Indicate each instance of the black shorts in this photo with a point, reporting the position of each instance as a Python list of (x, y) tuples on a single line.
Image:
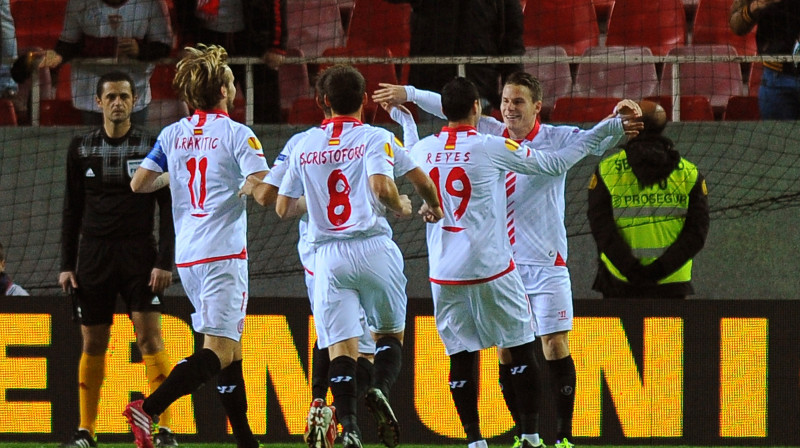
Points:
[(107, 268)]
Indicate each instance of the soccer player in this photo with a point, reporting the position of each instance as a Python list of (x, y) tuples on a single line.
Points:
[(535, 222), (108, 249), (321, 423), (205, 158), (479, 298), (346, 175)]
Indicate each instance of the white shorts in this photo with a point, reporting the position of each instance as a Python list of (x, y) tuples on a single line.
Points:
[(218, 292), (366, 344), (475, 317), (365, 273), (550, 293)]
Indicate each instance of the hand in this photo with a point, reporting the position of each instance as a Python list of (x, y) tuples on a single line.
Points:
[(48, 58), (159, 280), (273, 59), (758, 5), (632, 126), (389, 106), (627, 109), (67, 280), (249, 185), (390, 93), (128, 47), (430, 214), (405, 204)]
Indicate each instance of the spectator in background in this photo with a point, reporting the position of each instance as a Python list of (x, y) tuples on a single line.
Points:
[(8, 50), (648, 211), (465, 28), (244, 28), (8, 287), (128, 30), (778, 33)]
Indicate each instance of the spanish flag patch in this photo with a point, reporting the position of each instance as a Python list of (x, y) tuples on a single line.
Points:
[(198, 131), (387, 148), (512, 145), (333, 142)]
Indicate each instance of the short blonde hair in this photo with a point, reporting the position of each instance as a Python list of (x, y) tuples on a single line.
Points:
[(200, 74)]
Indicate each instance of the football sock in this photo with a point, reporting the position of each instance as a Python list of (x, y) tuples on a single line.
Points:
[(526, 382), (364, 372), (507, 388), (91, 371), (388, 360), (319, 372), (343, 386), (464, 389), (186, 377), (230, 385), (157, 368), (562, 384)]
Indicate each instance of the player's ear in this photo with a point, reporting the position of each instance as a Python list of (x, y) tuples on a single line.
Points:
[(364, 99), (327, 101), (476, 107), (537, 107), (99, 101)]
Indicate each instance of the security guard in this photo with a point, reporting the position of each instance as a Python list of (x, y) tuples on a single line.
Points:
[(648, 211)]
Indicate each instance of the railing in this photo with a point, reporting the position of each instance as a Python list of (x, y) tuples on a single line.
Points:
[(461, 61)]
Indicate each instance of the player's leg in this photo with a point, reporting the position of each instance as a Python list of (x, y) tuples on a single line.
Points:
[(233, 395), (562, 383), (464, 390)]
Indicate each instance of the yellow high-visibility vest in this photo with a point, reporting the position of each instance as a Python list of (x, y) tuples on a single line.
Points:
[(649, 219)]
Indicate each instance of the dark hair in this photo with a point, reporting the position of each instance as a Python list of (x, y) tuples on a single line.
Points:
[(458, 97), (114, 77), (524, 79), (345, 87), (319, 87)]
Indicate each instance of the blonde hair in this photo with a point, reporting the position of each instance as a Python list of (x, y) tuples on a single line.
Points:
[(200, 75)]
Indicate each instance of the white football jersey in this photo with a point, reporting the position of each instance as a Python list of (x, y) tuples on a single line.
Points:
[(471, 244), (208, 156), (535, 209), (332, 170)]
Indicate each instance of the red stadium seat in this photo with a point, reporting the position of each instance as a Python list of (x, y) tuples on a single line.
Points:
[(161, 82), (658, 24), (305, 111), (718, 81), (582, 109), (711, 27), (38, 23), (314, 25), (373, 73), (602, 9), (571, 24), (742, 108), (8, 116), (554, 77), (294, 81), (693, 108), (380, 24), (59, 113), (633, 80)]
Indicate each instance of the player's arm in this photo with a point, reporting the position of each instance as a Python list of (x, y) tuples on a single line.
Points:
[(744, 14), (384, 188), (402, 116), (288, 207), (161, 274), (147, 181), (430, 102), (71, 218), (424, 186)]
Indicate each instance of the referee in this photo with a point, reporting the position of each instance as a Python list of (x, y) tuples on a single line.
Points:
[(108, 249)]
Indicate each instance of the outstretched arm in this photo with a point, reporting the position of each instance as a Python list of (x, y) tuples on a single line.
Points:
[(147, 181)]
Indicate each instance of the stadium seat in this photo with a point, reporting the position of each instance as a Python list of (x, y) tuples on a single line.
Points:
[(742, 108), (657, 24), (633, 80), (582, 109), (718, 81), (380, 24), (373, 73), (554, 77), (38, 23), (161, 82), (571, 24), (314, 25), (602, 9), (294, 81), (711, 27), (693, 108), (8, 116), (59, 112), (305, 111)]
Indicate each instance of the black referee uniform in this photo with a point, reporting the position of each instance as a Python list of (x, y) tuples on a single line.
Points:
[(107, 230)]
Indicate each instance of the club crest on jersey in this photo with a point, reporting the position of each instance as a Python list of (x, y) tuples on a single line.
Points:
[(388, 149), (198, 131), (132, 165), (254, 143), (511, 145)]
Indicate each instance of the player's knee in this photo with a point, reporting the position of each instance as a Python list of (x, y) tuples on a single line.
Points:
[(556, 345), (523, 355)]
